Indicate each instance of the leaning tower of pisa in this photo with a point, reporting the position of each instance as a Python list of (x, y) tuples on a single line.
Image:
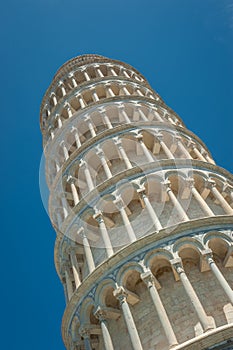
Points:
[(143, 215)]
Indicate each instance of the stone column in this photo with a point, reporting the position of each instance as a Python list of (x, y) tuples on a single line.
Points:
[(94, 94), (121, 295), (113, 72), (142, 115), (74, 264), (62, 87), (144, 148), (87, 174), (226, 207), (125, 73), (158, 116), (90, 126), (87, 250), (105, 118), (176, 203), (164, 146), (103, 161), (71, 76), (98, 216), (221, 279), (85, 334), (47, 110), (150, 281), (57, 165), (120, 205), (69, 111), (58, 217), (65, 151), (59, 122), (138, 91), (71, 180), (76, 136), (125, 90), (124, 114), (198, 197), (51, 131), (54, 98), (64, 206), (68, 285), (109, 90), (98, 70), (86, 75), (81, 101), (196, 151), (177, 139), (101, 316), (123, 154), (210, 160), (206, 321), (152, 213)]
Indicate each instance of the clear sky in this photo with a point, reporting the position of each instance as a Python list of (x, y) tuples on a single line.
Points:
[(183, 47)]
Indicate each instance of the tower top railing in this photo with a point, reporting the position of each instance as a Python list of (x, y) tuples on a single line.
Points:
[(79, 61)]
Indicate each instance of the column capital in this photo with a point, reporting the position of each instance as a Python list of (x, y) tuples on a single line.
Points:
[(87, 118), (159, 136), (190, 181), (120, 293), (99, 151), (98, 216), (166, 185), (103, 313), (177, 138), (208, 255), (84, 331), (177, 265), (142, 192), (73, 128), (71, 251), (82, 163), (101, 110), (191, 144), (70, 179), (119, 202), (100, 314), (139, 137), (150, 280), (67, 105), (50, 128), (117, 141), (121, 106), (62, 143), (210, 183), (81, 232)]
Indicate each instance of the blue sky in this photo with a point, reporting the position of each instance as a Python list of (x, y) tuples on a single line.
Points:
[(183, 47)]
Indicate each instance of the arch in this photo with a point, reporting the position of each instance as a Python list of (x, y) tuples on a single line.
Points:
[(85, 311), (125, 271), (157, 254), (187, 242), (104, 295), (75, 324), (219, 244)]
